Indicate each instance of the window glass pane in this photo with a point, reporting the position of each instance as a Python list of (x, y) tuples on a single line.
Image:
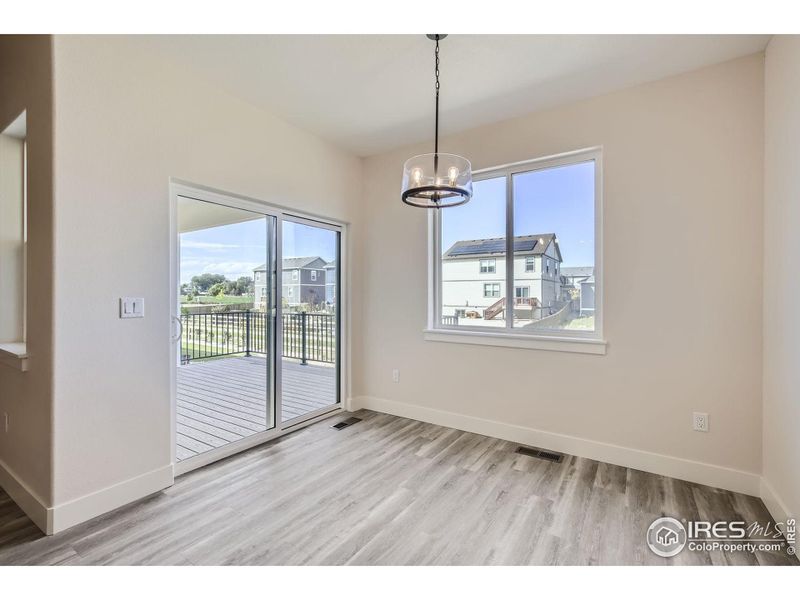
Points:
[(554, 225), (473, 266), (12, 237)]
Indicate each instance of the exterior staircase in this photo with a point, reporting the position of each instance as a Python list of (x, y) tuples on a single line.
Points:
[(495, 309)]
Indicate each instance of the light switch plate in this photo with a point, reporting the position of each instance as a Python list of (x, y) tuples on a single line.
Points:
[(131, 308)]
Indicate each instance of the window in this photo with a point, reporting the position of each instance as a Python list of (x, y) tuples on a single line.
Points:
[(290, 292), (545, 209), (491, 290), (313, 275), (530, 264), (13, 235), (295, 275)]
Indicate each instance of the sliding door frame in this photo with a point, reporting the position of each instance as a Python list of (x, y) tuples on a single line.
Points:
[(178, 188), (293, 218)]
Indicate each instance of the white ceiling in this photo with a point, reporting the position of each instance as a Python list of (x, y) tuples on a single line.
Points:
[(372, 93)]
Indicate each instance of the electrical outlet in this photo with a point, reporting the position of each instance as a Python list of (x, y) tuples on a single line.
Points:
[(396, 375), (700, 421)]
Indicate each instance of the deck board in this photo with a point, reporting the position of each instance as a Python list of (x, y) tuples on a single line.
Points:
[(222, 401)]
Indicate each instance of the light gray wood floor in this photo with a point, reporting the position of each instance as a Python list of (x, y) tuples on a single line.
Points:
[(390, 490), (224, 400)]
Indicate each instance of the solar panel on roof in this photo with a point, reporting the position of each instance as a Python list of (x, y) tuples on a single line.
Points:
[(482, 247), (522, 245), (492, 246)]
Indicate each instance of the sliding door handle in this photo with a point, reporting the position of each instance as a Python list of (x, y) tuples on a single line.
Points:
[(177, 337)]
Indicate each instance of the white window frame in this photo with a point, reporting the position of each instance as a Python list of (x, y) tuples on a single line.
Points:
[(589, 342), (530, 260), (295, 274), (491, 265), (522, 287), (313, 275), (492, 284)]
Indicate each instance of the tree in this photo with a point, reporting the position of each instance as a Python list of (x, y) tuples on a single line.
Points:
[(245, 286), (203, 283), (218, 289)]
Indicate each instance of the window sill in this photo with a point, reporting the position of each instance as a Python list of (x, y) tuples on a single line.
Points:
[(511, 340), (14, 355)]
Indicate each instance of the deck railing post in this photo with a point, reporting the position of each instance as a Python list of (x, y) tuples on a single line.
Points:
[(247, 333), (303, 317)]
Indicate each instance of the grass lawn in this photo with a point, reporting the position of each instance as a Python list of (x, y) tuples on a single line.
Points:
[(218, 300), (581, 323)]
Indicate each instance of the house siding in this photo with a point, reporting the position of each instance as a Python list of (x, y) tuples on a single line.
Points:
[(462, 281)]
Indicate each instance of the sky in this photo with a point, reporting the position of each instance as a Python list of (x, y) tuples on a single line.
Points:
[(557, 200), (235, 250)]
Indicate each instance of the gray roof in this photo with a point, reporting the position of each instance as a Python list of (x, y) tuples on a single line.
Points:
[(523, 244), (294, 263), (577, 271)]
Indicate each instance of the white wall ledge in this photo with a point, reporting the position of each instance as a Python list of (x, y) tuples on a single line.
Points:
[(522, 341), (14, 355)]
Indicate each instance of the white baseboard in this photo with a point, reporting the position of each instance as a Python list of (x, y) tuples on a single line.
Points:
[(660, 464), (776, 507), (92, 505), (20, 493)]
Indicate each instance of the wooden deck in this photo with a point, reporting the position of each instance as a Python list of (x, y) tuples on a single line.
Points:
[(222, 401)]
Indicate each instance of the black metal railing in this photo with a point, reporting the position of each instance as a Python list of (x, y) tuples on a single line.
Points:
[(306, 336)]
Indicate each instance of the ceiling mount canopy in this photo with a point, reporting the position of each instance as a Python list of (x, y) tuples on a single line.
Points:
[(436, 180)]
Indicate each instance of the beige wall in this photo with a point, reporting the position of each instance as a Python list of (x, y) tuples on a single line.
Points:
[(683, 210), (781, 281), (26, 450), (127, 122)]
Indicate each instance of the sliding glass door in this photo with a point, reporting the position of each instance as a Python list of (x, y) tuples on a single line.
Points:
[(258, 337), (310, 322), (225, 392)]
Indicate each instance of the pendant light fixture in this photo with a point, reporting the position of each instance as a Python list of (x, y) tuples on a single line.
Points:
[(437, 180)]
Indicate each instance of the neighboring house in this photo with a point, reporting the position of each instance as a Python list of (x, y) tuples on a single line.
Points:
[(302, 281), (474, 271), (260, 287), (574, 276), (587, 297), (581, 281), (330, 282)]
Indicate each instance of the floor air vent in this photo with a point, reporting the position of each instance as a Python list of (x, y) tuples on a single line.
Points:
[(346, 423), (543, 454)]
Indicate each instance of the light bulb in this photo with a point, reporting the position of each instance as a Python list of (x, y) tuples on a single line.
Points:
[(452, 173), (416, 175)]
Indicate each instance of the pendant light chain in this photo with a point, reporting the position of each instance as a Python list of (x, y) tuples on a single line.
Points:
[(435, 196), (436, 72)]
